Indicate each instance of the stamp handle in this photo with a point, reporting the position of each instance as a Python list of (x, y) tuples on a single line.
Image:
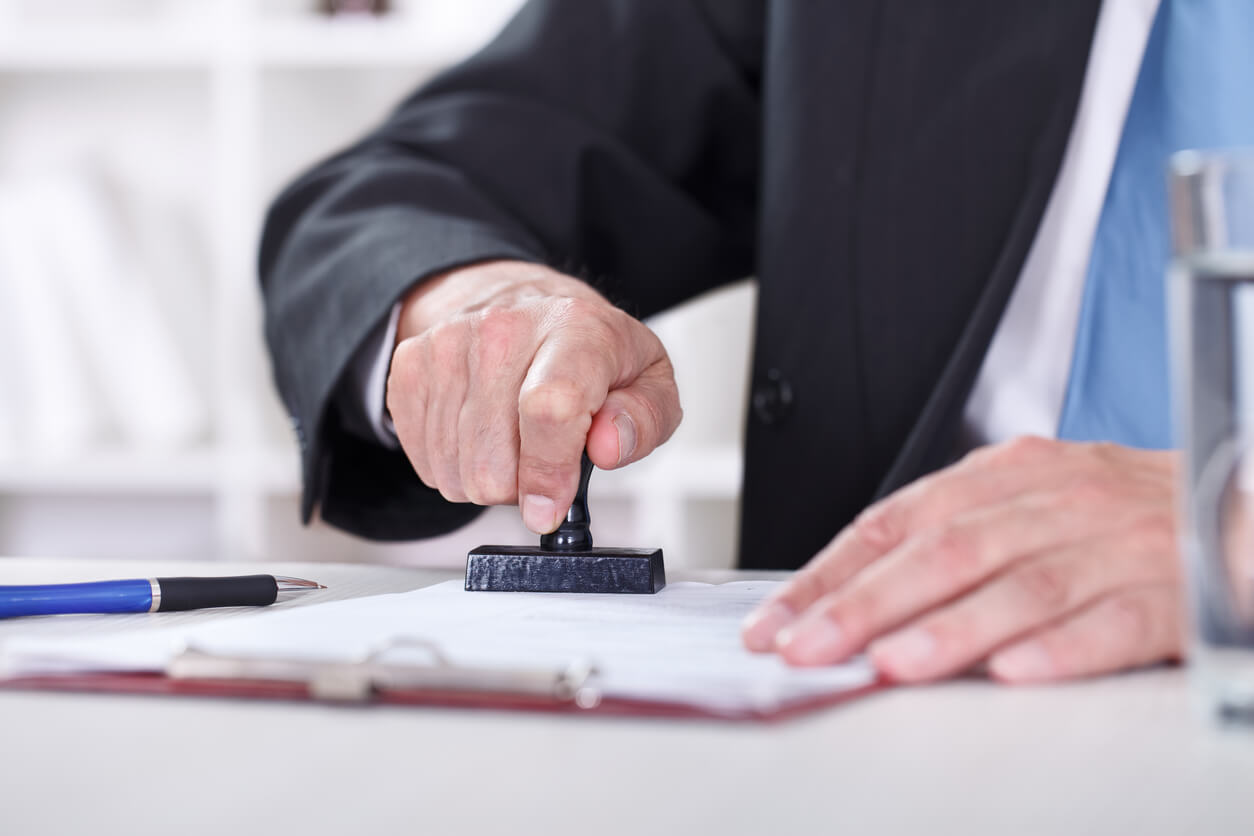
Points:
[(575, 533)]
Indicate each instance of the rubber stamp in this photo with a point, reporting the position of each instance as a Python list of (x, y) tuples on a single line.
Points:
[(566, 560)]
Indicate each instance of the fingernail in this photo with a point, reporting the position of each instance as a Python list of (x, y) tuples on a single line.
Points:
[(815, 641), (1024, 662), (626, 436), (763, 625), (539, 513), (905, 653)]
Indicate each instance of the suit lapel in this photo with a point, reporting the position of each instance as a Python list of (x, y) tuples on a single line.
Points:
[(909, 150), (1016, 90)]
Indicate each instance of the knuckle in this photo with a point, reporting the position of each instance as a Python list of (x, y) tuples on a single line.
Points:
[(665, 420), (545, 478), (446, 347), (582, 311), (854, 615), (1106, 452), (497, 494), (978, 457), (655, 421), (472, 493), (453, 494), (1089, 489), (570, 311), (448, 484), (553, 403), (879, 526), (807, 585), (440, 333), (1024, 449), (1044, 588), (490, 485), (598, 326), (670, 390), (951, 551), (439, 479), (499, 331)]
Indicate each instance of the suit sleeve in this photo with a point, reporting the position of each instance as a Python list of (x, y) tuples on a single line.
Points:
[(616, 140)]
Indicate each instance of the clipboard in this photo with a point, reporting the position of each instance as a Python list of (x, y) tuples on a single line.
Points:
[(433, 682)]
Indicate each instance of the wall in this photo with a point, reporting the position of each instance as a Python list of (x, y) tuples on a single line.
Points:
[(139, 143)]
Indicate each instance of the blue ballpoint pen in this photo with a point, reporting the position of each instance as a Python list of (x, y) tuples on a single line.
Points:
[(150, 595)]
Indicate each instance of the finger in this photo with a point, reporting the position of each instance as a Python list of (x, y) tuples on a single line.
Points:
[(1034, 593), (1125, 630), (946, 561), (595, 349), (635, 420), (558, 397), (926, 571), (406, 403), (488, 422), (489, 449), (988, 476), (449, 379)]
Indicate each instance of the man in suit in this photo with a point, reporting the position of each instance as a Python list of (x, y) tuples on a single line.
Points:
[(921, 189)]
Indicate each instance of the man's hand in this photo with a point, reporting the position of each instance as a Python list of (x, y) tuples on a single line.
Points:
[(1047, 559), (503, 372)]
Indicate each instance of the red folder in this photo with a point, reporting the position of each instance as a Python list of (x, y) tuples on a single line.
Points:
[(154, 684)]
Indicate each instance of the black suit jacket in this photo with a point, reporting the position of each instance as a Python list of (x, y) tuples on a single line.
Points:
[(880, 165)]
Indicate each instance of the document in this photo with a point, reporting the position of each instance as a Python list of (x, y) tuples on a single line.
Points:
[(680, 646)]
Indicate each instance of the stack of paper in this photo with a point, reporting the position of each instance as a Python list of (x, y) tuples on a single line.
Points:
[(681, 646)]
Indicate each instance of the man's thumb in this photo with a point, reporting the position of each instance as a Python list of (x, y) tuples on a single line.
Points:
[(636, 419)]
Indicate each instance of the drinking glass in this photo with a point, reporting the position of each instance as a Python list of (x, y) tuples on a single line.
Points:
[(1211, 317)]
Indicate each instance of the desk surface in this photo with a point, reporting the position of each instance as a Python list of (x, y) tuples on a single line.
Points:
[(1119, 755)]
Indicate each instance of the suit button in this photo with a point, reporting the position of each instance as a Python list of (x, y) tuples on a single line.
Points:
[(772, 397)]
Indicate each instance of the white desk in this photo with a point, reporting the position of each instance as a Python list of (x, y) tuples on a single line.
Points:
[(1115, 756)]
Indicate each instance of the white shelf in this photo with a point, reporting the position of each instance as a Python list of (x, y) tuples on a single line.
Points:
[(114, 471), (297, 43), (278, 90), (315, 42), (117, 46)]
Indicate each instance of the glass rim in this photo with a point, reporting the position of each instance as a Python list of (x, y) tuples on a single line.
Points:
[(1190, 162)]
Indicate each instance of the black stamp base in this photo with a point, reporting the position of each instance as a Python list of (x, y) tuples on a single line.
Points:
[(531, 569)]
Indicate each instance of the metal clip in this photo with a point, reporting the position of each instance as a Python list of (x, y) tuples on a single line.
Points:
[(363, 680)]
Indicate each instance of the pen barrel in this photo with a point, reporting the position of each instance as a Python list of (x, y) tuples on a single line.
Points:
[(202, 593), (60, 599)]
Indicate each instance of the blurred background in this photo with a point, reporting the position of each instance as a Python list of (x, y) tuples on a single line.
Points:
[(140, 141)]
